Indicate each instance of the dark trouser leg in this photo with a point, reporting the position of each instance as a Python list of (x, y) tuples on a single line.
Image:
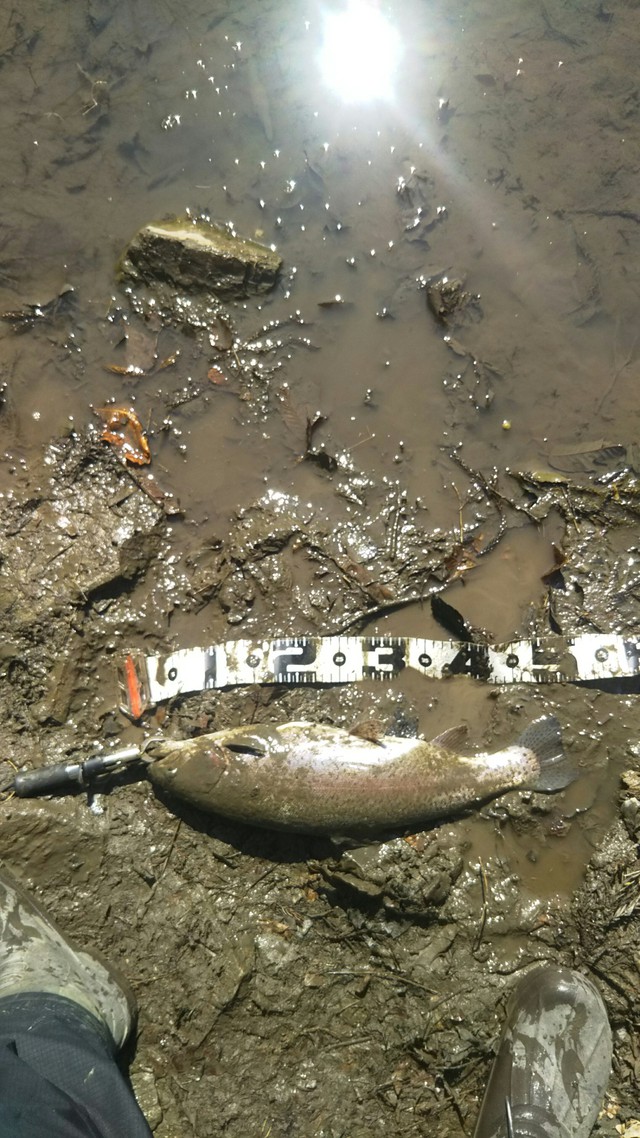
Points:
[(58, 1076)]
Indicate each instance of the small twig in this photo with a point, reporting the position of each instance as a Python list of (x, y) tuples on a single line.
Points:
[(165, 863), (454, 1101), (461, 506), (360, 442), (570, 509), (555, 33), (484, 884), (377, 610), (619, 370), (606, 978), (394, 525), (348, 1042), (18, 42), (624, 214), (256, 881), (170, 850), (395, 978), (4, 790), (487, 488)]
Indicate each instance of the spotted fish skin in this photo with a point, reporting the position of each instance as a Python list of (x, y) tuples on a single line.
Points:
[(317, 779)]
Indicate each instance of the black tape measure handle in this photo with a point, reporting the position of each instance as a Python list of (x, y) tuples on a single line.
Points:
[(48, 780), (59, 777)]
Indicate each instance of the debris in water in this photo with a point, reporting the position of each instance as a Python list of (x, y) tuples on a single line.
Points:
[(448, 300), (163, 498), (336, 301), (594, 457), (452, 620), (318, 455), (23, 319), (123, 430)]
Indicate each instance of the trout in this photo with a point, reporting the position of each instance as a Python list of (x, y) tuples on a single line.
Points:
[(316, 779)]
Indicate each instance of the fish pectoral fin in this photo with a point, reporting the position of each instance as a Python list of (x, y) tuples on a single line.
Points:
[(246, 744), (453, 738)]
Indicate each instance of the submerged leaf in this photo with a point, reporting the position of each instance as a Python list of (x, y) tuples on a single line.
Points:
[(123, 429)]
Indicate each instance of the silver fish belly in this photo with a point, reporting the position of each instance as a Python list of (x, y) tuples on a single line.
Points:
[(318, 779)]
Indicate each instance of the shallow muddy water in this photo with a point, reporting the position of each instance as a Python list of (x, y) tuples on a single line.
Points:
[(287, 987)]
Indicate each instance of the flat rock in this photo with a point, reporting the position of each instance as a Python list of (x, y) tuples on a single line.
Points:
[(200, 255)]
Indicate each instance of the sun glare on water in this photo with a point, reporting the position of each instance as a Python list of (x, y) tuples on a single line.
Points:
[(360, 52)]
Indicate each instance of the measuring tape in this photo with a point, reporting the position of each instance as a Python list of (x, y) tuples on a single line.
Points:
[(148, 680)]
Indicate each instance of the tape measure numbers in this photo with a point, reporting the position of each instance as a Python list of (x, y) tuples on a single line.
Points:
[(148, 680)]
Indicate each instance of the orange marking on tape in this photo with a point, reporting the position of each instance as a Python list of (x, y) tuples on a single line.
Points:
[(134, 691)]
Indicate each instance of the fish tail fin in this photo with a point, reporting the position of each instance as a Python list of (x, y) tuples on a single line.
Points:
[(544, 738)]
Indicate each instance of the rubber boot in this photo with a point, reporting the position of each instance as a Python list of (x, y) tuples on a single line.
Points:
[(554, 1060), (36, 956)]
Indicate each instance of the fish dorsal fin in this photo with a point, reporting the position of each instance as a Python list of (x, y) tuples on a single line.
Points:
[(370, 729), (453, 738)]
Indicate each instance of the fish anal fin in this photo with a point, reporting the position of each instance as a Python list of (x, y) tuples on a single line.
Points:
[(453, 738)]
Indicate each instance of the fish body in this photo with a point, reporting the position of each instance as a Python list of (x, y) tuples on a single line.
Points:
[(317, 779)]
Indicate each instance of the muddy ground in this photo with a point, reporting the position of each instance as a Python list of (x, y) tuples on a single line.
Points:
[(288, 985), (273, 969)]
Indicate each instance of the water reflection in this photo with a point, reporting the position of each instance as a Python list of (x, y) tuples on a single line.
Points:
[(361, 52)]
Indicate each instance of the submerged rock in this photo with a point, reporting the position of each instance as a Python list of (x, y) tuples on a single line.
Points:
[(448, 301), (200, 255)]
